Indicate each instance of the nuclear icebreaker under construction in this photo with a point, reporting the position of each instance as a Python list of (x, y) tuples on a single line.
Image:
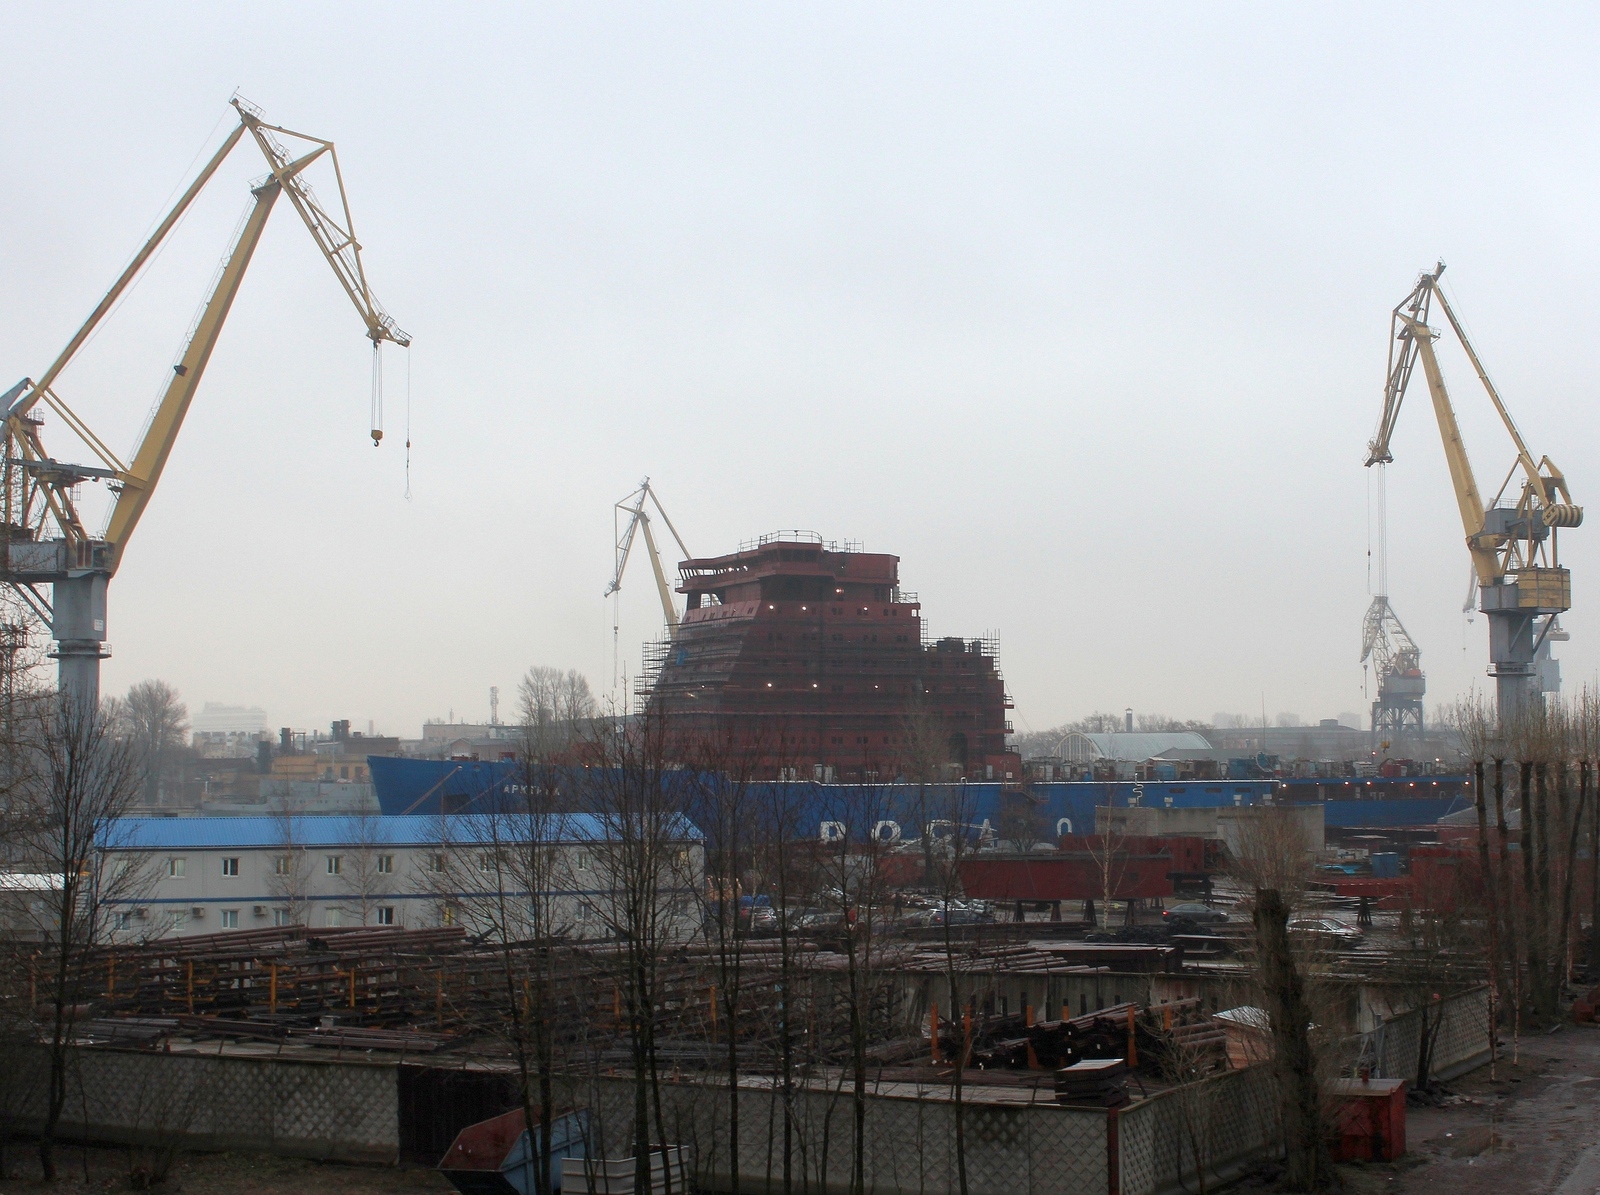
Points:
[(813, 654)]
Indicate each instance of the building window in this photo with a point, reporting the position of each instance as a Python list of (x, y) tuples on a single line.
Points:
[(335, 864), (230, 918), (281, 917), (282, 865), (123, 920), (333, 917), (230, 867), (177, 868), (581, 861), (385, 914), (176, 919), (436, 863), (447, 915), (486, 861), (385, 865)]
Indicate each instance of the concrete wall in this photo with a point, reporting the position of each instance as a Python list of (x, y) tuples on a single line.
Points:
[(341, 1111), (1150, 1147), (349, 1111)]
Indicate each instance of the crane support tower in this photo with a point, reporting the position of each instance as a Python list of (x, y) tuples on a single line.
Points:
[(42, 538), (1522, 587)]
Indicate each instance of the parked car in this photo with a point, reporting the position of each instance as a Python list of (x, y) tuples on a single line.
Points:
[(957, 915), (1196, 912), (1326, 930)]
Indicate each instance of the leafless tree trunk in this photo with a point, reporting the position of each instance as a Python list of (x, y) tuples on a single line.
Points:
[(78, 782), (157, 724), (1309, 1166), (508, 869), (647, 863), (368, 866), (291, 869), (947, 885)]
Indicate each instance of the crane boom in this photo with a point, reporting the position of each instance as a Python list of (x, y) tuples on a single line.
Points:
[(639, 520), (41, 533)]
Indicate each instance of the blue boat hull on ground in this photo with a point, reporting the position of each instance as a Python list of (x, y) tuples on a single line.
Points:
[(1042, 811)]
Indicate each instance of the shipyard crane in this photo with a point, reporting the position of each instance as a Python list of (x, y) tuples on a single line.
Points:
[(638, 519), (1397, 661), (44, 538), (1522, 587)]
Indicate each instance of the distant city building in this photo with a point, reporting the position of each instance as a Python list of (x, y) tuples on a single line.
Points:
[(439, 734), (228, 730)]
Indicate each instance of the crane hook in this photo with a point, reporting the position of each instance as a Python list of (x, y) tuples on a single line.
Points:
[(377, 392)]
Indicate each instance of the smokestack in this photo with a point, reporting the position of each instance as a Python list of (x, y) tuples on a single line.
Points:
[(1127, 719)]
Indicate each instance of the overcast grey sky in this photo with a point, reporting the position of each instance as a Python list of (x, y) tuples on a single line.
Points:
[(1080, 310)]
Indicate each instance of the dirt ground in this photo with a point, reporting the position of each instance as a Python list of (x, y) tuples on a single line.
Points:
[(218, 1174), (1533, 1128)]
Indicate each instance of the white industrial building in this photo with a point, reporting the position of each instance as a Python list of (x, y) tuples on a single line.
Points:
[(207, 875)]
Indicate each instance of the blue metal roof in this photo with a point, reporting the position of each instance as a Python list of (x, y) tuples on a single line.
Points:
[(326, 830)]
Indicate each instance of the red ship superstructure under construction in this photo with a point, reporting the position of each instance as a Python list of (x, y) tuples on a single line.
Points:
[(814, 654)]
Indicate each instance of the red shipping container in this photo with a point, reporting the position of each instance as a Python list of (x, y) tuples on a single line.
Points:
[(1370, 1119)]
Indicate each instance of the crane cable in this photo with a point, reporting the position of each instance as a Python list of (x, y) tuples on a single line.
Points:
[(377, 392), (408, 423)]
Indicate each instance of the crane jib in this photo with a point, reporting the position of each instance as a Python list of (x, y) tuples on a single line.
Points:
[(45, 540)]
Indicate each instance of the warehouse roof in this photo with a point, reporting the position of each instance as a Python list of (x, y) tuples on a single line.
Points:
[(320, 830), (1138, 746)]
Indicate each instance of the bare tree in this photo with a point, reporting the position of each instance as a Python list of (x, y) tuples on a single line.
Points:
[(157, 726), (1294, 1061), (556, 709), (722, 799), (508, 871), (647, 878), (79, 782), (957, 953), (1477, 723), (857, 881), (367, 870), (1272, 851), (291, 869)]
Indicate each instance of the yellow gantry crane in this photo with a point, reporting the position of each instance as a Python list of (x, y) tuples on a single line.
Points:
[(44, 538), (1522, 587), (638, 519)]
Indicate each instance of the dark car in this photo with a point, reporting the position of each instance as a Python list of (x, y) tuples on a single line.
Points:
[(957, 915), (1326, 931), (1196, 912)]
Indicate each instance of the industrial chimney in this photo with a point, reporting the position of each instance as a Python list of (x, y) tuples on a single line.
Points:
[(1127, 719)]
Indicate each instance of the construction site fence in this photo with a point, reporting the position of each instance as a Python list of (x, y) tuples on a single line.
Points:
[(909, 1146), (332, 1110), (1461, 1035)]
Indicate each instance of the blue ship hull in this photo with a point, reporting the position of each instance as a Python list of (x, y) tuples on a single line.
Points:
[(805, 810)]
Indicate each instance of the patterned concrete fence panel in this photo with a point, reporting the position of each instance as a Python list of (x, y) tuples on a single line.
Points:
[(908, 1143), (334, 1110), (1460, 1043), (1219, 1124)]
